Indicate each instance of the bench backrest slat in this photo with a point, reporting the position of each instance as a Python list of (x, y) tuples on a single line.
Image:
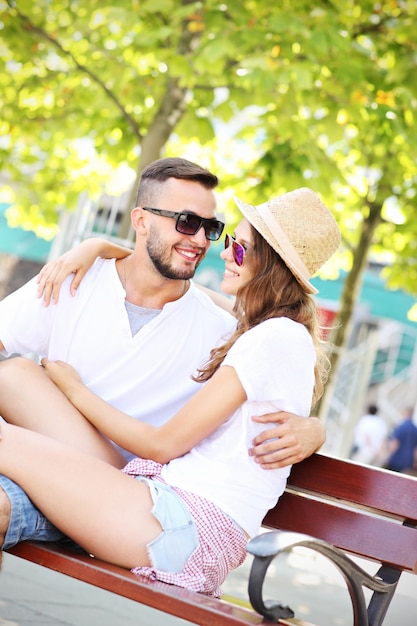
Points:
[(384, 540), (368, 486), (357, 508)]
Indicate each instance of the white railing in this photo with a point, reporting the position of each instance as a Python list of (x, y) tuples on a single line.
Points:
[(98, 218), (367, 374)]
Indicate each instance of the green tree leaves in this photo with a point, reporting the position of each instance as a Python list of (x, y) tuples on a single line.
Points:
[(275, 95)]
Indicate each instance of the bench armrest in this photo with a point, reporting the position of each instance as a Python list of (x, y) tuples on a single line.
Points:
[(267, 546)]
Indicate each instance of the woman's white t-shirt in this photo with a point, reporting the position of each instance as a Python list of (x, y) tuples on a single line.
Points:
[(275, 364)]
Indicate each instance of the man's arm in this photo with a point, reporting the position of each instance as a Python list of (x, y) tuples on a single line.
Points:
[(292, 440)]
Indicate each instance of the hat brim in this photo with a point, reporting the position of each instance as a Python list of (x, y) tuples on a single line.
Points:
[(252, 215)]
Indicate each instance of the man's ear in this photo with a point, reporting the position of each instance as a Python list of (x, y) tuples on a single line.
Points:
[(137, 217)]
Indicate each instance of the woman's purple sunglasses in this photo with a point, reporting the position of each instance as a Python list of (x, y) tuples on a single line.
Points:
[(237, 249)]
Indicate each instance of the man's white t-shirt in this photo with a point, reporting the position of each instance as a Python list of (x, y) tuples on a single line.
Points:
[(147, 376), (275, 364)]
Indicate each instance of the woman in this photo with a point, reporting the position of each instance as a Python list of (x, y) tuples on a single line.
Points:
[(187, 517)]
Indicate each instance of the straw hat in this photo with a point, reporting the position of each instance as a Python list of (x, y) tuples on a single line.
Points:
[(299, 227)]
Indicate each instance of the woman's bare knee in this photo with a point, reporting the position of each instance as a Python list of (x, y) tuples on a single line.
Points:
[(43, 408), (10, 369), (16, 375)]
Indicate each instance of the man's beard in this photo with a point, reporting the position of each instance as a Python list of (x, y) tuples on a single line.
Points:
[(156, 252)]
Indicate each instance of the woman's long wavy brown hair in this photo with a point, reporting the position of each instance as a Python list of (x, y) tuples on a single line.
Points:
[(272, 292)]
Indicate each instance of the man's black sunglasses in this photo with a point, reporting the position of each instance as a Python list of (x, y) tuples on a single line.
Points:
[(190, 224)]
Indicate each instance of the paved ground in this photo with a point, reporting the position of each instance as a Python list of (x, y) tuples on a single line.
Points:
[(34, 596)]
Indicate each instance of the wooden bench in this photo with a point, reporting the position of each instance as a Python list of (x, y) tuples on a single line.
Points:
[(347, 508)]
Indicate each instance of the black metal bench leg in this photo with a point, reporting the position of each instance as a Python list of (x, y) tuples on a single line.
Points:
[(379, 603)]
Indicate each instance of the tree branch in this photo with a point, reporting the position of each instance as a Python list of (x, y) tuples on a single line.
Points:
[(82, 68), (369, 28)]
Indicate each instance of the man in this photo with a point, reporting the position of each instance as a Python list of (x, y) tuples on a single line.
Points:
[(136, 331), (403, 444)]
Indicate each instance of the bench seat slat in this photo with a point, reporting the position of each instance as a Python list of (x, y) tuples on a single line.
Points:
[(173, 600)]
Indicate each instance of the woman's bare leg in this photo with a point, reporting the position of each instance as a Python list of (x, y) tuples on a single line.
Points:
[(105, 511), (28, 398)]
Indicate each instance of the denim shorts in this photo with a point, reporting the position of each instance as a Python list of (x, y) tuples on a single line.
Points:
[(26, 521), (171, 550), (168, 552)]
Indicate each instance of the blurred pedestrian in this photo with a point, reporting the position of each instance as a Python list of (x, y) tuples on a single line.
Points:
[(370, 438), (403, 444)]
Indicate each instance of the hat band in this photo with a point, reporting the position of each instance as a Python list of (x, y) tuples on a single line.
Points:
[(292, 255)]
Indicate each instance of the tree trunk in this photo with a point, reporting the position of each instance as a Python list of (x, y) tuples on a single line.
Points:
[(350, 295), (170, 112)]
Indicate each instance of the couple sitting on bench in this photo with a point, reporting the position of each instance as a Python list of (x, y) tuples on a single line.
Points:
[(190, 495)]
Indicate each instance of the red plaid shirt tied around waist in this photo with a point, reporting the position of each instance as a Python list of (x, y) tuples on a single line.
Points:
[(222, 543)]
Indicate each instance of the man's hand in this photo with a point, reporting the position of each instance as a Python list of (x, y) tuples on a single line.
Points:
[(291, 441)]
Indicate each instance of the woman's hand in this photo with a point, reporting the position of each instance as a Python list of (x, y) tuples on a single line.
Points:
[(76, 261), (62, 374)]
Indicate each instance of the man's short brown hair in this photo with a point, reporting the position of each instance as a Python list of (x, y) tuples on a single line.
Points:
[(173, 167)]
